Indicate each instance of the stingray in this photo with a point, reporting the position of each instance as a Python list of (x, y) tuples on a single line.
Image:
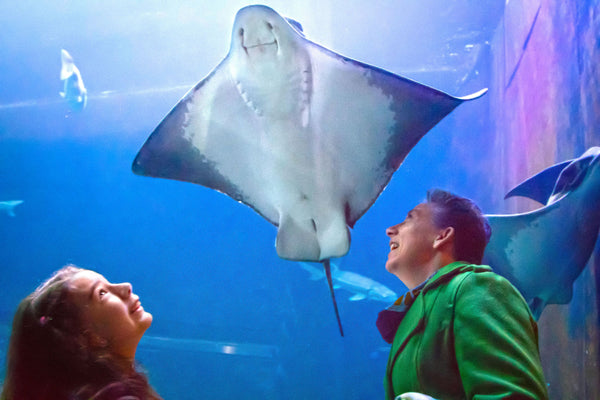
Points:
[(304, 136), (542, 252)]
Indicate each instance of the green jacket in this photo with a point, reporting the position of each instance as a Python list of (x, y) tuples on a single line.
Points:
[(468, 335)]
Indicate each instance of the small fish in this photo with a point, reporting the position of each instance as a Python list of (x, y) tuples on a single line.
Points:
[(74, 92), (9, 206), (361, 286)]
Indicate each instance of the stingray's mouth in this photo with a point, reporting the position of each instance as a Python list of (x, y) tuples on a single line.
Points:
[(262, 48)]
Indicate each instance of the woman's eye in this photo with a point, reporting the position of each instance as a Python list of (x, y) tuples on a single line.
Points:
[(102, 292)]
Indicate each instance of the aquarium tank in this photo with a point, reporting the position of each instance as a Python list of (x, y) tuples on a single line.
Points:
[(83, 85)]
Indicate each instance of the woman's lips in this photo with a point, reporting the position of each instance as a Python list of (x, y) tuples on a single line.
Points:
[(137, 306)]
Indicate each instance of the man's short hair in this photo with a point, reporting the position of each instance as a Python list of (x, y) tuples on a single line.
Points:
[(471, 228)]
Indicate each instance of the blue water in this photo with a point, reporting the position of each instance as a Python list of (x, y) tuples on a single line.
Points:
[(204, 265)]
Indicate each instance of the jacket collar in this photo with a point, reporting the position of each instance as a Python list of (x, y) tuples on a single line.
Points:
[(389, 319), (449, 271)]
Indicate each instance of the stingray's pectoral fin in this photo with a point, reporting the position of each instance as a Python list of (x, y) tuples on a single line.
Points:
[(473, 96), (297, 240), (540, 186)]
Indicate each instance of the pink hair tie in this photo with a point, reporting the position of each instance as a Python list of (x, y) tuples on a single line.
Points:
[(44, 320)]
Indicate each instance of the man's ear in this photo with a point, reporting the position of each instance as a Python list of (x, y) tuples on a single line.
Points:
[(445, 236)]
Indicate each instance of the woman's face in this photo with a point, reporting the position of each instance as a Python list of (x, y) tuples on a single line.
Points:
[(111, 311)]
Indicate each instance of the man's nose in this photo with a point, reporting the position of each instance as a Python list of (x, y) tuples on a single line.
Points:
[(392, 230)]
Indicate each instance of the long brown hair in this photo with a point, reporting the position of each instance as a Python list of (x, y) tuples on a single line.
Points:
[(50, 355)]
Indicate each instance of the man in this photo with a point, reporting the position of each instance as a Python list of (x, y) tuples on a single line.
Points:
[(462, 331)]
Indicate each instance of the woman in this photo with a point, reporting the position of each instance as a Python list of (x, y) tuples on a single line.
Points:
[(75, 337)]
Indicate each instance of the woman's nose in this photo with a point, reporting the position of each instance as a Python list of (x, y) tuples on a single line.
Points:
[(123, 290)]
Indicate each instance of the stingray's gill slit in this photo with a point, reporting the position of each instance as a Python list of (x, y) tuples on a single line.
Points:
[(327, 267)]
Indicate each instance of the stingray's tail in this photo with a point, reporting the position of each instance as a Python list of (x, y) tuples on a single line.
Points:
[(330, 283)]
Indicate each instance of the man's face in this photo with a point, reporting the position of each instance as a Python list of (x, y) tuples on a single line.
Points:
[(411, 242)]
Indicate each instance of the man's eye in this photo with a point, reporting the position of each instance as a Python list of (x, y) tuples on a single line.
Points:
[(102, 292)]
